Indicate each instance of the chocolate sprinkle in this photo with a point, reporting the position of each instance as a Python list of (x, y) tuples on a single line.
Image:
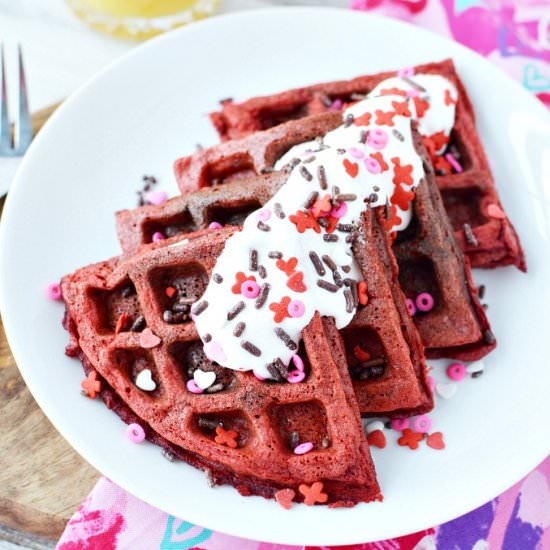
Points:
[(376, 188), (127, 291), (278, 209), (344, 227), (235, 310), (263, 226), (469, 235), (477, 374), (481, 292), (289, 342), (398, 134), (325, 285), (317, 263), (363, 136), (330, 237), (262, 271), (306, 173), (262, 296), (253, 260), (346, 197), (330, 263), (373, 197), (311, 199), (215, 388), (349, 300), (348, 120), (346, 268), (275, 254), (239, 329), (168, 455), (294, 440), (309, 159), (278, 370), (199, 308), (207, 423), (337, 278), (323, 222), (138, 324), (217, 278), (206, 338), (251, 348), (340, 151), (354, 294), (413, 83)]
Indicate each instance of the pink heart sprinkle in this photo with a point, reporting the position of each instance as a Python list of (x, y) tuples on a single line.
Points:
[(156, 197), (214, 352), (340, 211), (264, 214), (495, 211), (148, 339)]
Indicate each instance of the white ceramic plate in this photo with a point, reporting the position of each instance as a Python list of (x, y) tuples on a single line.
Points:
[(141, 113)]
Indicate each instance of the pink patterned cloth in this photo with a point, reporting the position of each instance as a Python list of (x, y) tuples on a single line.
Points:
[(515, 35)]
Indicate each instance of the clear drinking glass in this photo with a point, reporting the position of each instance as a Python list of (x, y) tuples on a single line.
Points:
[(140, 19)]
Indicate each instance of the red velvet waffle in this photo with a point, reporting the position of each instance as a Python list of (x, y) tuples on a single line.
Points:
[(396, 389), (245, 430), (465, 333), (470, 197)]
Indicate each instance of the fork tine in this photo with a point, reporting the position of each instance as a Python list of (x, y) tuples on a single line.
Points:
[(23, 135), (5, 137)]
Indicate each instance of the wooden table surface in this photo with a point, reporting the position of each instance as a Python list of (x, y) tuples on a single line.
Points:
[(42, 479)]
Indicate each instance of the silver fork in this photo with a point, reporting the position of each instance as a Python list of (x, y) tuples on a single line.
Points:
[(23, 129)]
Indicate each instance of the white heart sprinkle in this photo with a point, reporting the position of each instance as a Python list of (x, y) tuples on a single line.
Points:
[(144, 381), (374, 426), (445, 390), (476, 366), (204, 379)]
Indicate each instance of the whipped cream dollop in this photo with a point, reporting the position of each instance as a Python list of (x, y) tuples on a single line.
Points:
[(294, 256)]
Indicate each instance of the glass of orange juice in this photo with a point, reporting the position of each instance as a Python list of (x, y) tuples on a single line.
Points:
[(140, 19)]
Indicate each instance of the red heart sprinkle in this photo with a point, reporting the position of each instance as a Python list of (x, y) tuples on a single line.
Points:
[(170, 291), (148, 339), (121, 323), (495, 211), (288, 267), (377, 438), (360, 353), (296, 282), (435, 441), (284, 498), (352, 168)]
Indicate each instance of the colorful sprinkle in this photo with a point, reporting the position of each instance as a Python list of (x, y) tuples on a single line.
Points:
[(158, 236), (91, 386), (410, 439), (456, 371), (362, 293), (295, 376), (296, 308), (250, 289), (454, 163), (170, 291), (313, 493), (215, 225), (204, 379), (411, 307), (53, 291), (377, 438), (425, 302), (372, 165), (135, 433), (422, 423), (264, 214), (298, 362), (400, 424), (339, 211), (284, 498), (148, 339), (303, 448), (435, 441), (377, 138), (192, 386), (226, 437), (144, 380), (445, 390), (156, 197)]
